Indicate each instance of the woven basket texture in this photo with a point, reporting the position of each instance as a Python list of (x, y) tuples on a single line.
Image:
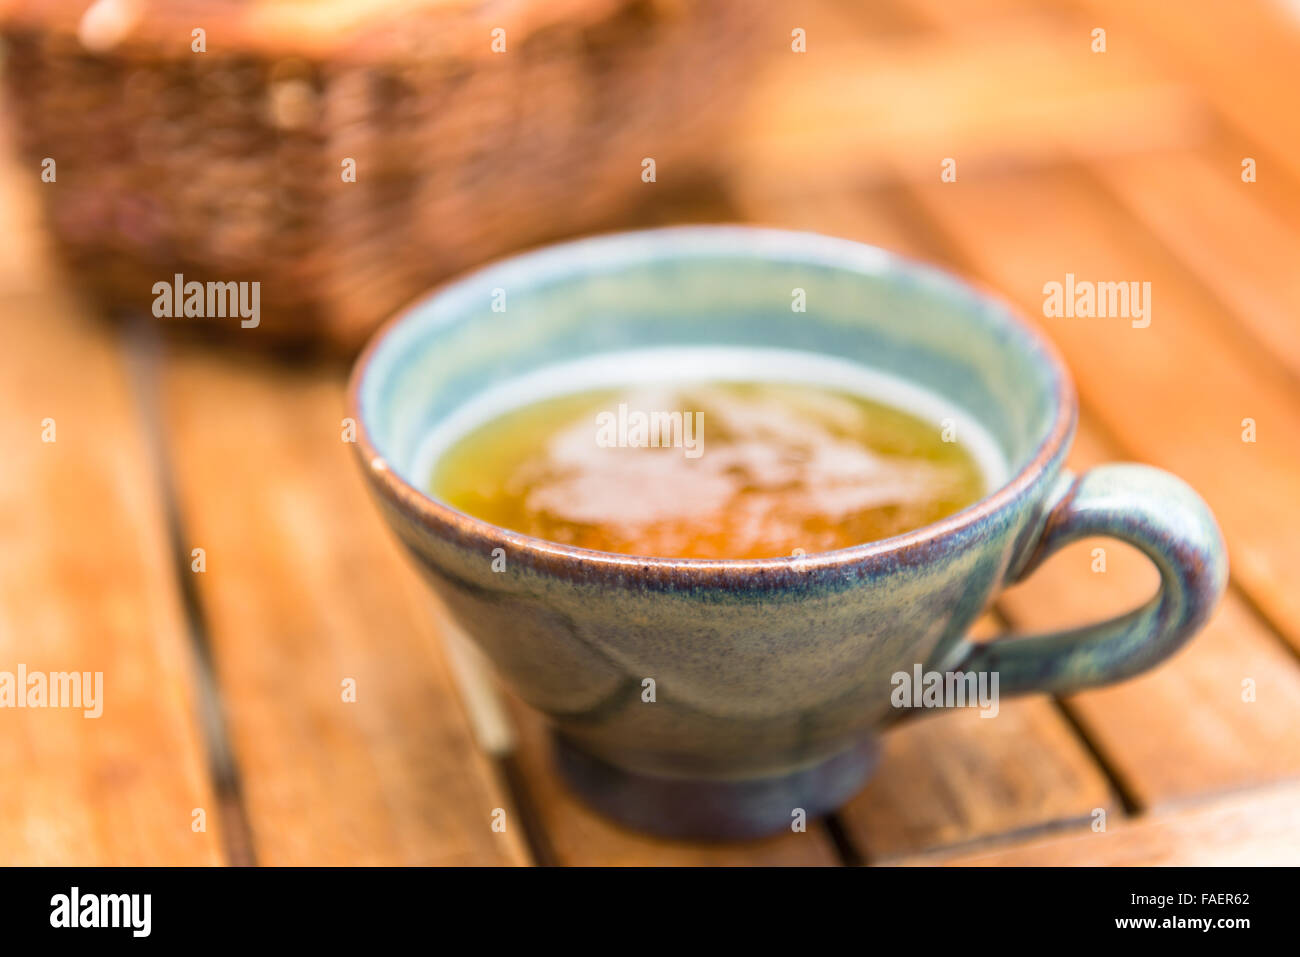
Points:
[(228, 164)]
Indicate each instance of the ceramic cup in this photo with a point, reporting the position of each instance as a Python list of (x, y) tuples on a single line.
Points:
[(771, 678)]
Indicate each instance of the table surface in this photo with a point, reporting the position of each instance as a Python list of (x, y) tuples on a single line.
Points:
[(226, 737)]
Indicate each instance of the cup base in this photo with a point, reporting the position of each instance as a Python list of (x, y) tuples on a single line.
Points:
[(711, 809)]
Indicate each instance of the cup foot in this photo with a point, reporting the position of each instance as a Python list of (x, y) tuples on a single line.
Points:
[(709, 809)]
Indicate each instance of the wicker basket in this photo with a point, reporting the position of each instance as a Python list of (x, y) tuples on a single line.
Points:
[(227, 164)]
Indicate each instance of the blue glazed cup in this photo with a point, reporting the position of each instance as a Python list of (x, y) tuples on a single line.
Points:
[(772, 678)]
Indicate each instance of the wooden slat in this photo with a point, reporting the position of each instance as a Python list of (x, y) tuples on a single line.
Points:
[(87, 584), (965, 16), (830, 25), (836, 22), (25, 260), (1017, 92), (1276, 188), (1238, 55), (1175, 393), (1241, 56), (304, 589), (1256, 829), (1240, 245)]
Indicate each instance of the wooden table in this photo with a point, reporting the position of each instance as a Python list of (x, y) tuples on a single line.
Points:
[(226, 736)]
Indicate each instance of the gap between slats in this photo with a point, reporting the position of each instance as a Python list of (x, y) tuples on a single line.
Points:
[(141, 348)]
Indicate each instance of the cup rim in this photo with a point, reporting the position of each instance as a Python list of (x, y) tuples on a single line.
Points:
[(567, 560)]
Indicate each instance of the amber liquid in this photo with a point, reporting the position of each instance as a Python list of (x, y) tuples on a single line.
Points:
[(761, 470)]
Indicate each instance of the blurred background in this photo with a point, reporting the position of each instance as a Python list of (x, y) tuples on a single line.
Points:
[(178, 503)]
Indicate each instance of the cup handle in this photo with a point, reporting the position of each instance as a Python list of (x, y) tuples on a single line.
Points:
[(1146, 507)]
